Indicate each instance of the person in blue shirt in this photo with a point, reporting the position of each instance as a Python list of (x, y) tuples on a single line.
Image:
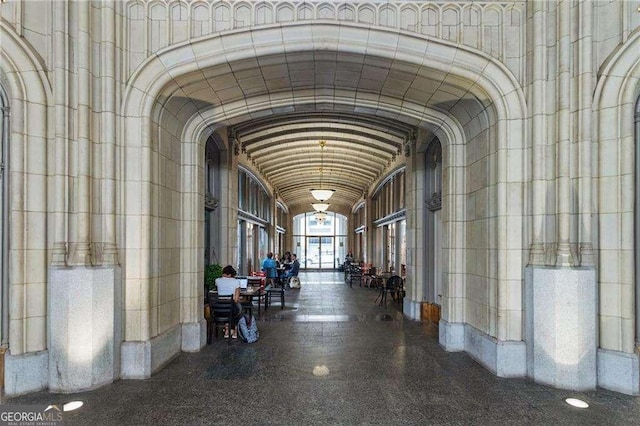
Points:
[(270, 267)]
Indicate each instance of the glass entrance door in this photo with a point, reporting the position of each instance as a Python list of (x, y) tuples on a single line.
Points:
[(320, 252), (320, 244), (327, 254), (312, 255)]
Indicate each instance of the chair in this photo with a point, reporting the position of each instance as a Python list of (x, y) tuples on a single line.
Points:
[(274, 287), (277, 291), (355, 274), (370, 276), (393, 285), (271, 275), (247, 307), (221, 314)]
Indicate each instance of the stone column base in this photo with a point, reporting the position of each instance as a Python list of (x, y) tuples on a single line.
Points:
[(619, 371), (194, 336), (26, 373), (411, 309), (502, 358), (84, 327), (561, 329), (141, 359), (451, 336)]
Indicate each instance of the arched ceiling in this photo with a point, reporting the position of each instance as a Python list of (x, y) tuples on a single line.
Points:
[(286, 150), (364, 106)]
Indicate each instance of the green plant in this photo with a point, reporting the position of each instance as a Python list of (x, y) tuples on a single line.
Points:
[(211, 272)]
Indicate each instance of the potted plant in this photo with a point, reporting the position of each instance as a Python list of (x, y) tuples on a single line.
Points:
[(211, 272)]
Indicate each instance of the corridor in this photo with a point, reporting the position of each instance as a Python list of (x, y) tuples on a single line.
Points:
[(333, 356)]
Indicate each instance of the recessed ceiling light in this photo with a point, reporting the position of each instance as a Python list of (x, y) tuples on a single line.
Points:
[(575, 402)]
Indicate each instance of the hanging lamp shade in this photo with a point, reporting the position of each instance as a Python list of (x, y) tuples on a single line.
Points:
[(322, 194), (320, 216), (320, 207)]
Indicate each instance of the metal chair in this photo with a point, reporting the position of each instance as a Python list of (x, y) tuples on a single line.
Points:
[(222, 314), (271, 276), (274, 287), (355, 274), (274, 291), (393, 285), (370, 276)]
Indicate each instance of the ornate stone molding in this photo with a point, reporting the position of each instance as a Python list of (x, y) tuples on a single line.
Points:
[(408, 144), (434, 202), (210, 202), (233, 142)]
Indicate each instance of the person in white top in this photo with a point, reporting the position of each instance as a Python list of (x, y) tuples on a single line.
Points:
[(228, 285)]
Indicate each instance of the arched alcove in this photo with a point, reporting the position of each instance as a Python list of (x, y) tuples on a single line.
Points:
[(482, 105), (27, 205), (615, 100)]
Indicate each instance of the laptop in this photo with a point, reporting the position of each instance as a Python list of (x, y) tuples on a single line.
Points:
[(243, 283)]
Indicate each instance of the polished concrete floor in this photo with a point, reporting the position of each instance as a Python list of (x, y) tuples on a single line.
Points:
[(333, 356)]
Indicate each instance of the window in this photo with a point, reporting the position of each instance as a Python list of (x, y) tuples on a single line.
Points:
[(389, 248), (253, 197), (389, 197), (319, 245)]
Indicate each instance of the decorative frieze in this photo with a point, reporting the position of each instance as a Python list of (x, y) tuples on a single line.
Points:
[(495, 27)]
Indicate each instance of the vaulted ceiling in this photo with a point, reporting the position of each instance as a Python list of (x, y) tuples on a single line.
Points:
[(286, 149), (365, 107)]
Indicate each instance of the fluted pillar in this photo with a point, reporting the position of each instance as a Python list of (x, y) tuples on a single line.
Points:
[(561, 301), (563, 123), (60, 94), (108, 137), (80, 150), (585, 119), (538, 132), (4, 227), (84, 311)]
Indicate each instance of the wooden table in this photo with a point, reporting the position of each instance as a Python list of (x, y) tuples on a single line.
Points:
[(252, 292)]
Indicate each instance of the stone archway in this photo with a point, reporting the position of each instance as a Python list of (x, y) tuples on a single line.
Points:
[(616, 94), (25, 124), (500, 111)]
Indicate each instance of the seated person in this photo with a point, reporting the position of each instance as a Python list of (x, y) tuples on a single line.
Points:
[(270, 267), (349, 258), (286, 260), (228, 285), (295, 267)]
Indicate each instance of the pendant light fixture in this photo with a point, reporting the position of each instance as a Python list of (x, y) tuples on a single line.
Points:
[(320, 207), (320, 216), (322, 195)]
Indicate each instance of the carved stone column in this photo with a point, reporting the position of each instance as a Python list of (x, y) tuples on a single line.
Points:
[(108, 137), (60, 90), (538, 133), (80, 149), (564, 256), (585, 79)]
